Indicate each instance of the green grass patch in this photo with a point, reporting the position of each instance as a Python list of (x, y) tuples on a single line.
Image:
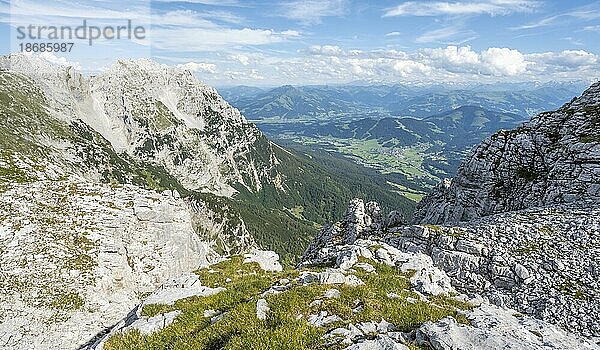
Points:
[(546, 230), (528, 248), (574, 289), (63, 300), (375, 248), (434, 228), (322, 266), (589, 139), (455, 232), (286, 326)]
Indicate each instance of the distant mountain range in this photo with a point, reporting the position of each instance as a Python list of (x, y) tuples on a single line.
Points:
[(456, 126), (424, 150), (352, 102)]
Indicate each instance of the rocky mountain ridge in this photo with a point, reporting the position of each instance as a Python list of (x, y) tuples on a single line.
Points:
[(72, 125), (158, 114)]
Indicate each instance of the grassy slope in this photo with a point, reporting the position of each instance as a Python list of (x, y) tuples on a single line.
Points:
[(286, 326)]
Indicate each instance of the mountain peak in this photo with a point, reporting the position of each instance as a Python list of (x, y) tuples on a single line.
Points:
[(589, 98), (157, 114), (285, 89)]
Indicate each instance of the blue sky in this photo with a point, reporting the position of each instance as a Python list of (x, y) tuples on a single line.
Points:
[(233, 42)]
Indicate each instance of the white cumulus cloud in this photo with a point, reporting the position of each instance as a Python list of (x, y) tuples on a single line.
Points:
[(199, 67), (568, 59), (503, 61), (410, 68), (453, 58)]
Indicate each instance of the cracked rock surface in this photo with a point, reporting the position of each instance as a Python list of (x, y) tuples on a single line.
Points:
[(541, 262), (76, 256)]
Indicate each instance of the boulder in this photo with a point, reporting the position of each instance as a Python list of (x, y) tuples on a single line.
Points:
[(268, 260), (261, 309)]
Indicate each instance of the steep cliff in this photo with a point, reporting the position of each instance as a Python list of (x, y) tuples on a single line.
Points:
[(553, 159)]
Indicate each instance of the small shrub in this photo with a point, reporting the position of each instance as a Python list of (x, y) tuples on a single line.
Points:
[(527, 174)]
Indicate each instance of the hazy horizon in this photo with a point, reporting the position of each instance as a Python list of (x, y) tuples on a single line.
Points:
[(267, 43)]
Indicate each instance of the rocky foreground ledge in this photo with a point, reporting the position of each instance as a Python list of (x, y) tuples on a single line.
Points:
[(368, 283), (76, 256), (542, 262)]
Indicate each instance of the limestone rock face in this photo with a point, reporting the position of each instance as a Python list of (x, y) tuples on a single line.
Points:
[(157, 114), (267, 260), (496, 328), (137, 123), (553, 159), (360, 220), (180, 287), (76, 256), (427, 278), (214, 224), (541, 262)]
